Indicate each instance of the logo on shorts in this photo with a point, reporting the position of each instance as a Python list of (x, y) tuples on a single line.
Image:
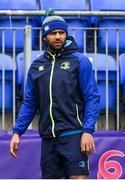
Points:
[(82, 164)]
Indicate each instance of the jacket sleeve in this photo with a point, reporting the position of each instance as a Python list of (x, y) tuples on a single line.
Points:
[(91, 98), (28, 108)]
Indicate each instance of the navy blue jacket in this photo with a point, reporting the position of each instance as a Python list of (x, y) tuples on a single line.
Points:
[(63, 88)]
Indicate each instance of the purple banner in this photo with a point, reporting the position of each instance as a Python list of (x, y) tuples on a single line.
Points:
[(107, 163), (109, 160), (27, 166)]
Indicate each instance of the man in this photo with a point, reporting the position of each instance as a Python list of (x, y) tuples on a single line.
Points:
[(61, 85)]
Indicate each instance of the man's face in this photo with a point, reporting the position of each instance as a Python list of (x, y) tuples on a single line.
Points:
[(56, 39)]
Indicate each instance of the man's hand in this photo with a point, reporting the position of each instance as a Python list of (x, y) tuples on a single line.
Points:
[(87, 143), (14, 145)]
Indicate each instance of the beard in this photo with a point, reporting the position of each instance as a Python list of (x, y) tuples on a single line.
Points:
[(57, 48)]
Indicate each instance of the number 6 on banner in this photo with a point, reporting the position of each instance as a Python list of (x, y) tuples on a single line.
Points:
[(105, 164)]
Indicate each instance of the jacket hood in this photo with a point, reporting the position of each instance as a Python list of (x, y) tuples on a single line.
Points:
[(70, 45)]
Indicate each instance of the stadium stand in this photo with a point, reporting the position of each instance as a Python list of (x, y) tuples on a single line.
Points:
[(101, 61), (109, 22), (16, 5), (61, 5), (20, 68), (77, 23), (18, 21), (7, 62), (122, 72)]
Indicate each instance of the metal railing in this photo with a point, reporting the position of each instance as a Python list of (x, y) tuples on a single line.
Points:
[(61, 13), (90, 44)]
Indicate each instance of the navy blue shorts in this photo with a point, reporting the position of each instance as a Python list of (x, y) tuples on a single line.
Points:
[(62, 157)]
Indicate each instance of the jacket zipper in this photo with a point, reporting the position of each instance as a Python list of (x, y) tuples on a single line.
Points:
[(78, 118), (50, 90)]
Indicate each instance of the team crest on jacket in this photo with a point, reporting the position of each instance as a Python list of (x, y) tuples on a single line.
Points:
[(41, 68), (65, 65)]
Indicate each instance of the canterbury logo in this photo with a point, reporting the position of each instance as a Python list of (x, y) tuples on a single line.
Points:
[(41, 68), (65, 65)]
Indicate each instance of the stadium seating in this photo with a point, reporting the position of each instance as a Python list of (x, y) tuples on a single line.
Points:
[(107, 5), (73, 21), (100, 61), (20, 68), (122, 72), (8, 69), (18, 21), (16, 5), (109, 22), (62, 5)]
